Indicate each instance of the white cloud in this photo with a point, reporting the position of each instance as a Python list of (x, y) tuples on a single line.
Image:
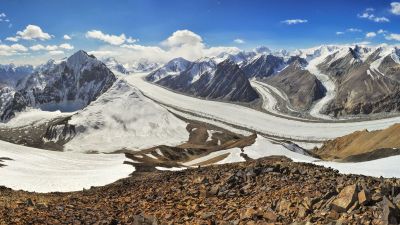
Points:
[(131, 40), (239, 41), (339, 33), (13, 39), (294, 21), (66, 37), (19, 48), (49, 48), (370, 34), (7, 50), (381, 31), (33, 32), (367, 14), (109, 38), (393, 37), (182, 37), (354, 30), (182, 43), (56, 52), (395, 8), (361, 43), (2, 15), (66, 46), (37, 47)]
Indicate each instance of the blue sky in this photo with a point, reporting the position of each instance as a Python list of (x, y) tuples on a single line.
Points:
[(217, 22)]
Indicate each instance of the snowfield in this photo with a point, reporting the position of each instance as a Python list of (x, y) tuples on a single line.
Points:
[(33, 117), (252, 119), (122, 118), (39, 170), (387, 167)]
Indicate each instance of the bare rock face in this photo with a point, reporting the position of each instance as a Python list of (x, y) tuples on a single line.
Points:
[(301, 87), (68, 86), (225, 81), (263, 66), (367, 81)]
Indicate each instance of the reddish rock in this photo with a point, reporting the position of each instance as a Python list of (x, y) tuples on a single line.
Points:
[(345, 199)]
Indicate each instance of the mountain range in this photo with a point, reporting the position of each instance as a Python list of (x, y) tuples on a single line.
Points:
[(365, 79), (348, 80)]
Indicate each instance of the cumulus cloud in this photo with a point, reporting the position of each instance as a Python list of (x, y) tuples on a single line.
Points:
[(294, 21), (56, 52), (49, 48), (370, 34), (381, 31), (239, 41), (32, 32), (182, 43), (7, 50), (368, 14), (110, 38), (13, 39), (183, 37), (131, 40), (66, 37), (66, 46), (395, 8), (393, 37)]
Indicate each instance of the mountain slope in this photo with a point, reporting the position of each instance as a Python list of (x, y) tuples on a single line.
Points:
[(67, 86), (172, 68), (122, 118), (363, 145), (225, 81), (301, 87), (263, 66), (367, 81), (10, 74)]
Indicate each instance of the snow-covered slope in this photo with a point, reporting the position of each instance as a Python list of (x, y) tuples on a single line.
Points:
[(172, 68), (386, 167), (113, 64), (10, 74), (32, 169), (141, 65), (122, 118)]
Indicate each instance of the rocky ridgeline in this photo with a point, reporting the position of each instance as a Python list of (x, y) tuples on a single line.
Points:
[(267, 191)]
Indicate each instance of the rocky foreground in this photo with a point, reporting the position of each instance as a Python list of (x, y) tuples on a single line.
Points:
[(271, 190)]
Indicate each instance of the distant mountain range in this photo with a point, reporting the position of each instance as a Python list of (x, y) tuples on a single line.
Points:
[(364, 79)]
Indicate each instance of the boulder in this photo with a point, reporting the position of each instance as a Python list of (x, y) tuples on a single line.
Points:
[(345, 199)]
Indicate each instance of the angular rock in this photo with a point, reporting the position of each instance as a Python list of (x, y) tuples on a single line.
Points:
[(345, 199)]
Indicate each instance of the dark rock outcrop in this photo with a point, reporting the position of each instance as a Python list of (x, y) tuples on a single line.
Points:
[(226, 82), (301, 87)]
